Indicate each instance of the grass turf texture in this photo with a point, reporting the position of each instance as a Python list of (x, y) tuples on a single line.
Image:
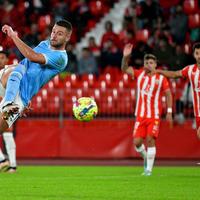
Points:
[(103, 183)]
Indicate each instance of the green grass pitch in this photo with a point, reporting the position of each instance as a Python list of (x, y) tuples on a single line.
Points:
[(101, 183)]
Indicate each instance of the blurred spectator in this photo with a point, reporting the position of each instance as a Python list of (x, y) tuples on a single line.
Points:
[(150, 10), (164, 52), (195, 34), (110, 55), (93, 47), (61, 10), (72, 60), (80, 14), (31, 38), (126, 35), (109, 35), (129, 38), (138, 54), (180, 59), (130, 16), (184, 102), (178, 25), (87, 63)]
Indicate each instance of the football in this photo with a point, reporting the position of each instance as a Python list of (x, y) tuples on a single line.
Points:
[(85, 109)]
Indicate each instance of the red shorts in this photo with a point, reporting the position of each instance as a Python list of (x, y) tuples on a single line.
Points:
[(197, 122), (146, 126)]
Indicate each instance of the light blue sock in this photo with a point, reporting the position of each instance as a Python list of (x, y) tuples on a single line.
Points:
[(13, 83)]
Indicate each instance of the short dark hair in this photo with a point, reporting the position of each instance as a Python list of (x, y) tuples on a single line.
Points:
[(150, 56), (196, 46), (65, 24), (4, 52)]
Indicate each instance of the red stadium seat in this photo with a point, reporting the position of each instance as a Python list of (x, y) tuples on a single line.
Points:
[(142, 35), (125, 78), (194, 21), (57, 82), (105, 79), (89, 78), (190, 6), (113, 71), (72, 81)]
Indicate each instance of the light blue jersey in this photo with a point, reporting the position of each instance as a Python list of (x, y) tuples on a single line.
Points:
[(37, 75)]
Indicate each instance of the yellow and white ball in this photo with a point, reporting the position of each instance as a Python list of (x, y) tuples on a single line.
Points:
[(85, 109)]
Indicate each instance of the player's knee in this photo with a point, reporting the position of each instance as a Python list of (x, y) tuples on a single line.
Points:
[(137, 142), (18, 72), (20, 69), (150, 141)]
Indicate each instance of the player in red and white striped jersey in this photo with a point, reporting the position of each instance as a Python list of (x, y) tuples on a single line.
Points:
[(150, 87), (192, 73)]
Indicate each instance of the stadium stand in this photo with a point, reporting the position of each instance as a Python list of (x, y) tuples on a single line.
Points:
[(113, 90)]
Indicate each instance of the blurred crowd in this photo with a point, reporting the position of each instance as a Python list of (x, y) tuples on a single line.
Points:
[(159, 27), (167, 29)]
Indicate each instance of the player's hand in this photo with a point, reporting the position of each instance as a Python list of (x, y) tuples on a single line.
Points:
[(127, 50), (9, 31), (169, 119), (27, 110)]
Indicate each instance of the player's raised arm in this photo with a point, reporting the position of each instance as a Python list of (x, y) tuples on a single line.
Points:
[(168, 96), (170, 74), (126, 56), (26, 51)]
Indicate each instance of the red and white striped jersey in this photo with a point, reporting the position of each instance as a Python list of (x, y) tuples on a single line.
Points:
[(149, 94), (192, 72)]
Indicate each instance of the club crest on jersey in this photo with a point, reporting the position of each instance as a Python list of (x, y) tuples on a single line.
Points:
[(197, 89)]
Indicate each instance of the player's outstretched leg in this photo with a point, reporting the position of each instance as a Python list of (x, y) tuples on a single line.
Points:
[(4, 163), (11, 151), (151, 153), (12, 89), (140, 148)]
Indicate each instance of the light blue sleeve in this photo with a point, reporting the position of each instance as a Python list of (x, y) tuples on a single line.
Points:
[(56, 60)]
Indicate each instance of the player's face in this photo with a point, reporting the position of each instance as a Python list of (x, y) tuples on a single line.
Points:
[(59, 36), (3, 60), (197, 56), (149, 64)]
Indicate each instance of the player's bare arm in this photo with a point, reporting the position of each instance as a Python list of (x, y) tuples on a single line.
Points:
[(126, 56), (168, 96), (170, 74), (26, 51)]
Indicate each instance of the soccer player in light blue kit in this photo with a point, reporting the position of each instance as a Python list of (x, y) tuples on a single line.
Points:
[(39, 66)]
